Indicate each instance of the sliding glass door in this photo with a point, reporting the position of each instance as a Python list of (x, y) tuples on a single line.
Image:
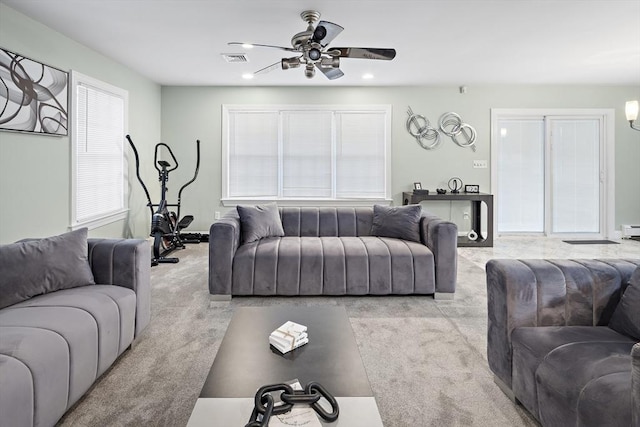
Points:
[(548, 174), (575, 164), (520, 163)]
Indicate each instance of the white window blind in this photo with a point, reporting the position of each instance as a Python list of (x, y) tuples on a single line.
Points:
[(360, 155), (253, 154), (99, 166), (307, 154), (333, 153)]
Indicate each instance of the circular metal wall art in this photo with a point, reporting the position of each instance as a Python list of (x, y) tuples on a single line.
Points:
[(419, 127), (463, 134)]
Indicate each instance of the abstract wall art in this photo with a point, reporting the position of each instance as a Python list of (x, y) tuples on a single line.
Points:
[(33, 96)]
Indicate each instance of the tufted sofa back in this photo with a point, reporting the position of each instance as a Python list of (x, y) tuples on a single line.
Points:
[(559, 292), (326, 221)]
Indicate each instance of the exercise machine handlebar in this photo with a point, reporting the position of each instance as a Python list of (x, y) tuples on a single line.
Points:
[(144, 187), (165, 165)]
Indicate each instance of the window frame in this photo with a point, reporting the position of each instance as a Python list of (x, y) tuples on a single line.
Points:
[(227, 109), (104, 218)]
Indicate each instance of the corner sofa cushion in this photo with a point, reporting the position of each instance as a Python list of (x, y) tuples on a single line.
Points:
[(626, 317), (400, 222), (581, 377), (36, 267), (531, 345), (259, 222)]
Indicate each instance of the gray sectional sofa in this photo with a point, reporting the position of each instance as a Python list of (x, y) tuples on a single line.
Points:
[(332, 251), (564, 338), (70, 307)]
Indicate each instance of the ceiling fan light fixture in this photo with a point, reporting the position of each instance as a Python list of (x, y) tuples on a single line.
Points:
[(314, 54), (309, 71), (333, 62), (290, 63)]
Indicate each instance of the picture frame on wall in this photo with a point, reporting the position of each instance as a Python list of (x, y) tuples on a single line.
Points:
[(34, 96)]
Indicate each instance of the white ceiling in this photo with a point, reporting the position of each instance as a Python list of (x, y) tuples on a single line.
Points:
[(460, 42)]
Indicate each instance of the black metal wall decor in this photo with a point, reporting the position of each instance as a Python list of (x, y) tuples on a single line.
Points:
[(33, 96)]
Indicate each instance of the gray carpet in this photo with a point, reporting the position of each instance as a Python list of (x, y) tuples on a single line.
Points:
[(426, 359)]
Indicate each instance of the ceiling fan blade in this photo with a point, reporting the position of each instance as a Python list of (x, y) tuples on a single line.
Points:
[(325, 32), (289, 49), (268, 69), (366, 53), (330, 72)]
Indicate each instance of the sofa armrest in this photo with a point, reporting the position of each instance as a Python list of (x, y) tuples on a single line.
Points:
[(441, 237), (635, 385), (127, 263), (224, 239), (541, 292)]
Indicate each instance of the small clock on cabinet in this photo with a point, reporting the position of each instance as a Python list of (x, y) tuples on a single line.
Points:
[(471, 188)]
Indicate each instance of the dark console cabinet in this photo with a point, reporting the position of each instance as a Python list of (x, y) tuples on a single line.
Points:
[(476, 213)]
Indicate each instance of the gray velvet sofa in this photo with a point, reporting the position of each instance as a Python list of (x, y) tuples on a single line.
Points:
[(331, 251), (53, 346), (563, 338)]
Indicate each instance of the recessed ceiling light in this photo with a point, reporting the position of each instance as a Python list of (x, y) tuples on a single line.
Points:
[(367, 76), (247, 46), (247, 76)]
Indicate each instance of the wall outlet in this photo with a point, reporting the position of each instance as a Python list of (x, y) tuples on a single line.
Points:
[(216, 215), (480, 164)]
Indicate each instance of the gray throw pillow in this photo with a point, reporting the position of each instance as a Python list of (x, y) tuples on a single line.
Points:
[(258, 222), (35, 267), (401, 222), (626, 317)]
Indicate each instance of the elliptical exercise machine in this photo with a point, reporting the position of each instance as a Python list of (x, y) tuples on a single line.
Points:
[(165, 227)]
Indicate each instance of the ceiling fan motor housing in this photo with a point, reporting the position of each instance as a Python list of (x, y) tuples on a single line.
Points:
[(313, 54)]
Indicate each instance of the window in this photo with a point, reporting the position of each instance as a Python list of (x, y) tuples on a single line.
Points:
[(306, 152), (98, 164)]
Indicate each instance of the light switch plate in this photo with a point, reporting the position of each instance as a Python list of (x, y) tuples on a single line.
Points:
[(480, 164)]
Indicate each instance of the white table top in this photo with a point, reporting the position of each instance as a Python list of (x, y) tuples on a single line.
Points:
[(235, 412)]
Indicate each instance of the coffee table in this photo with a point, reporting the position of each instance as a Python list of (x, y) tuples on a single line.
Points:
[(245, 362)]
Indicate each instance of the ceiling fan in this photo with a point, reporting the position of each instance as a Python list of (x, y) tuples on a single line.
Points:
[(313, 50)]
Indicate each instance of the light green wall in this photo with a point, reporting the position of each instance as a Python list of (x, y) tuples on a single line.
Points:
[(35, 169), (195, 112)]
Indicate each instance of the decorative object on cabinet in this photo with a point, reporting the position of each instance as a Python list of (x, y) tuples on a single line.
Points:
[(472, 188), (455, 185)]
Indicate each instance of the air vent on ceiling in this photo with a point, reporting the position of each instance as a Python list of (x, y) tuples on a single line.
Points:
[(235, 57)]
